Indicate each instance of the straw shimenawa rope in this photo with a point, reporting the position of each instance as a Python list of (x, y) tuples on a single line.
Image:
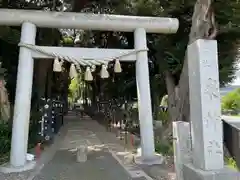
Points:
[(82, 62)]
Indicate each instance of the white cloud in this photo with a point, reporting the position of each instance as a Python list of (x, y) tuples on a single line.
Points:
[(236, 82)]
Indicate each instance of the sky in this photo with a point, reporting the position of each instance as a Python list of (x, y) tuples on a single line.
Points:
[(236, 82)]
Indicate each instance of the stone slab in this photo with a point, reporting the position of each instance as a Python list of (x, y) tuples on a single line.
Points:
[(192, 173), (181, 146)]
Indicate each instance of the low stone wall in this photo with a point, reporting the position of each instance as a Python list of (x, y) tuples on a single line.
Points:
[(232, 139)]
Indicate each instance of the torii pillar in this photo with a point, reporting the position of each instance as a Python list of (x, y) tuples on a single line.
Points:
[(22, 105), (144, 97)]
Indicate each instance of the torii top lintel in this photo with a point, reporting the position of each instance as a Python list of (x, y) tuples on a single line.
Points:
[(87, 21)]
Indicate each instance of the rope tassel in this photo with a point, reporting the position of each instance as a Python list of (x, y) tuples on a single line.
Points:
[(117, 66), (78, 68), (88, 75), (93, 68), (57, 65), (104, 73), (73, 72)]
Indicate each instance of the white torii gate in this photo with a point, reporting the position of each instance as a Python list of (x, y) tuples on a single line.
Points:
[(30, 20)]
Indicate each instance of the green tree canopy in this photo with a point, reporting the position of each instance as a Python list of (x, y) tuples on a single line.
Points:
[(166, 52), (231, 101)]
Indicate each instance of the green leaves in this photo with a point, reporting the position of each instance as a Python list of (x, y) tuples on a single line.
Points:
[(231, 102), (5, 137), (166, 52), (10, 35)]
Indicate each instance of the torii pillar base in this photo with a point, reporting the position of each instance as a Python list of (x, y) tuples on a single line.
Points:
[(8, 168), (156, 159)]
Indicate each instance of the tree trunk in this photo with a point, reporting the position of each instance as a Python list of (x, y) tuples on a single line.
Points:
[(4, 103), (173, 98), (203, 27)]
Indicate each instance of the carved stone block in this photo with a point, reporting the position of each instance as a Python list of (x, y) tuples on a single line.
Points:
[(205, 106)]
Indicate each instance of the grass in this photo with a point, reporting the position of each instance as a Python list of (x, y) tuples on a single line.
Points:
[(231, 163)]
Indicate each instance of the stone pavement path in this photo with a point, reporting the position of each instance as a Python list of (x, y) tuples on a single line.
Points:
[(99, 166), (106, 159)]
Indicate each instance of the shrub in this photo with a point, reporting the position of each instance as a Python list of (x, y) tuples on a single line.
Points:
[(231, 102), (5, 138), (163, 116), (6, 134), (164, 148), (231, 163)]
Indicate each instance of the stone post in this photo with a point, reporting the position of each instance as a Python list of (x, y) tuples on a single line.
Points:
[(205, 115), (205, 108)]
